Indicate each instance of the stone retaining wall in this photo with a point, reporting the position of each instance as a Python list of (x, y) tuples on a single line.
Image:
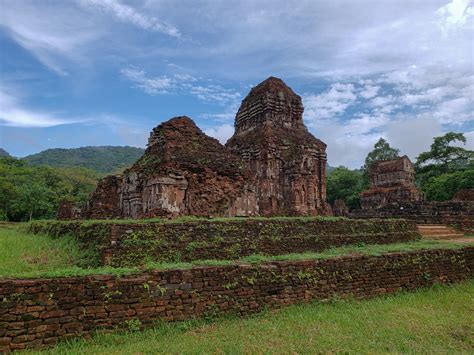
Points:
[(126, 244), (458, 214), (39, 312)]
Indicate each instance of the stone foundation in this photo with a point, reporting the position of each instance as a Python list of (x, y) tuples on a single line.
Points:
[(458, 214), (464, 195), (39, 312), (125, 244)]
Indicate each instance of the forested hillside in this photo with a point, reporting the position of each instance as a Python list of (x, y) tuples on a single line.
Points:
[(33, 192), (4, 153), (104, 160)]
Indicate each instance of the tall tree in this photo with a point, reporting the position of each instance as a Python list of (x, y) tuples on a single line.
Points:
[(36, 200), (444, 157), (345, 184), (382, 151), (436, 170)]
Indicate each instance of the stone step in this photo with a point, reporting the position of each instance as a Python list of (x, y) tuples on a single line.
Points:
[(444, 236), (431, 227), (436, 234), (438, 231), (435, 230)]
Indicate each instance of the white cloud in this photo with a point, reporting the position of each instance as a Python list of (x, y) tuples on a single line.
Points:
[(152, 86), (455, 14), (347, 139), (313, 38), (221, 133), (330, 103), (469, 140), (61, 35), (426, 96), (13, 114), (52, 33), (128, 14), (413, 135), (394, 61), (455, 111), (227, 115), (364, 124), (383, 101), (370, 91), (214, 93), (344, 147), (221, 116), (414, 105), (435, 91), (180, 84)]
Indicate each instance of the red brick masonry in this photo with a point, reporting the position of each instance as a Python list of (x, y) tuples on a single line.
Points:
[(39, 312), (127, 244)]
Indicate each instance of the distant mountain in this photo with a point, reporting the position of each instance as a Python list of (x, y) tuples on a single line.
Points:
[(4, 153), (104, 160)]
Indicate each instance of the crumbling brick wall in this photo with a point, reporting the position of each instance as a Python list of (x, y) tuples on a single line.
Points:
[(124, 244), (458, 214), (272, 166), (39, 312)]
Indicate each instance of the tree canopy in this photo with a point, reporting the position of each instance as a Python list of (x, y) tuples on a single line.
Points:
[(382, 151), (28, 192), (445, 156), (345, 184), (443, 187), (446, 168)]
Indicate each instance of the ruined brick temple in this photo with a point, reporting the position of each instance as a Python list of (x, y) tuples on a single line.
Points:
[(391, 181), (393, 194), (271, 166), (288, 162)]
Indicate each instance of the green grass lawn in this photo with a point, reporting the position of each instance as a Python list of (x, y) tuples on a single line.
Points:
[(22, 252), (437, 320), (24, 255)]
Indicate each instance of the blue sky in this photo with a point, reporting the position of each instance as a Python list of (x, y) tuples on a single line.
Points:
[(105, 72)]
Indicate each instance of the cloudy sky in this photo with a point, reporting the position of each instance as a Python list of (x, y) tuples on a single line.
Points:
[(105, 72)]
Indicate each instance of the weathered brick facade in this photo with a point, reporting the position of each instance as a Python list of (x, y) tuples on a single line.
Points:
[(391, 181), (39, 312), (272, 166), (123, 244), (464, 195), (458, 214), (288, 161)]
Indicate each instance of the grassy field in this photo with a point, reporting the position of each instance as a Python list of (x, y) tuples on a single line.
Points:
[(23, 254), (437, 320)]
